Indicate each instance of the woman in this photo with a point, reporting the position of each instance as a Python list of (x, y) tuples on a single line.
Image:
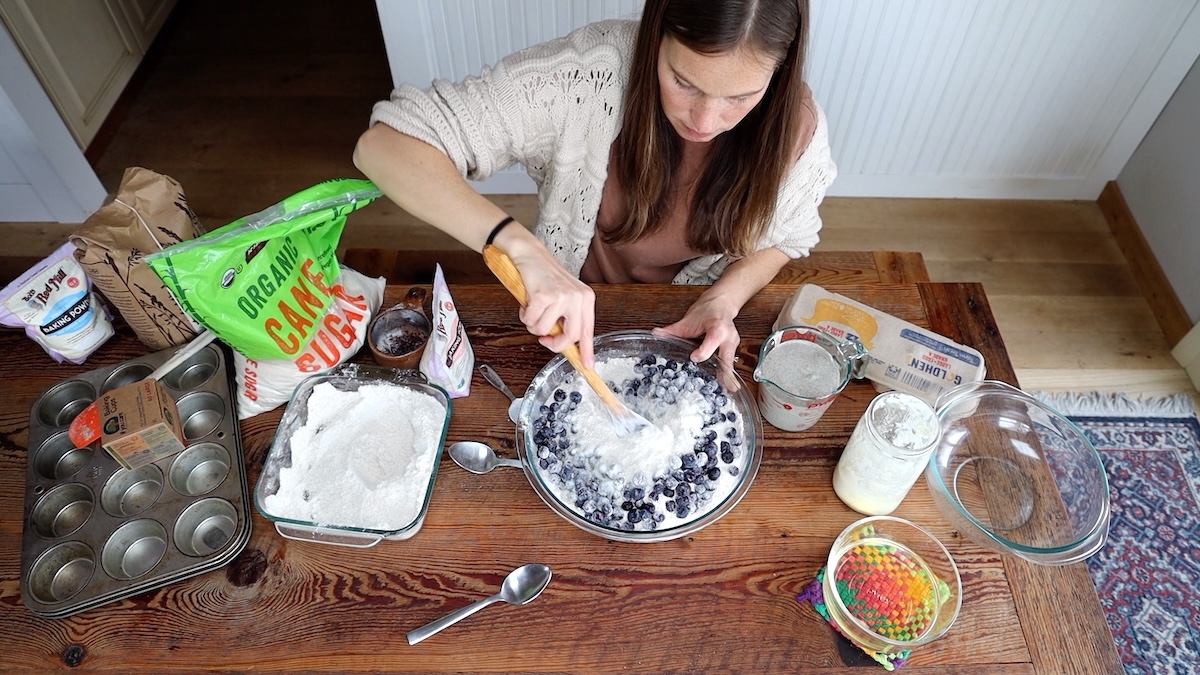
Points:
[(682, 147)]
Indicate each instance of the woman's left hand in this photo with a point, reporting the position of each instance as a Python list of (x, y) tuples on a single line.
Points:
[(713, 312), (711, 316)]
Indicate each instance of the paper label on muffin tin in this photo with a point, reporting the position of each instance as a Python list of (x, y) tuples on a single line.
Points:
[(901, 355)]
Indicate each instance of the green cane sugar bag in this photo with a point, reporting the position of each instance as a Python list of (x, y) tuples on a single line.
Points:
[(265, 283)]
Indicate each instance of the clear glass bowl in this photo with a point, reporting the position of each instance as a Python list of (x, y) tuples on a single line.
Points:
[(1017, 476), (890, 585), (346, 377), (637, 344)]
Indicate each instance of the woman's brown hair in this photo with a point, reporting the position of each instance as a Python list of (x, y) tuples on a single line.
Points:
[(735, 198)]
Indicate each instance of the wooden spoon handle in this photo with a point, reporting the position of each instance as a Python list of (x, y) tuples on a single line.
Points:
[(508, 274)]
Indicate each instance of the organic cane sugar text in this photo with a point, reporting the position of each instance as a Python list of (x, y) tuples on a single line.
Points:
[(678, 470), (362, 459)]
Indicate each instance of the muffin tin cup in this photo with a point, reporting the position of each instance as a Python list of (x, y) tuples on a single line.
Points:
[(95, 532)]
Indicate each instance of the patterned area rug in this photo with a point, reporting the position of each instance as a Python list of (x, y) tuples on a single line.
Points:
[(1148, 574)]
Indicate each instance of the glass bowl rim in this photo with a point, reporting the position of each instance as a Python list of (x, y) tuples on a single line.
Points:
[(1084, 544), (957, 588)]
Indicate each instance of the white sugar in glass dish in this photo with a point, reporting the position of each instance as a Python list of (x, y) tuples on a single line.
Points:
[(355, 457)]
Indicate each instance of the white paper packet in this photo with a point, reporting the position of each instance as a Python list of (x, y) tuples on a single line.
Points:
[(448, 359)]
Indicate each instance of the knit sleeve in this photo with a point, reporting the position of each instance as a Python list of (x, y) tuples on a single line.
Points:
[(518, 111), (796, 225)]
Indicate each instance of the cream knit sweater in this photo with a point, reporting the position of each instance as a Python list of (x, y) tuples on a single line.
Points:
[(556, 108)]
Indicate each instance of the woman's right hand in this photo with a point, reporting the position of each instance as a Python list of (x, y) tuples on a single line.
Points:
[(423, 181), (555, 296)]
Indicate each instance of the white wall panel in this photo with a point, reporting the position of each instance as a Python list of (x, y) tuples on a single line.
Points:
[(925, 98)]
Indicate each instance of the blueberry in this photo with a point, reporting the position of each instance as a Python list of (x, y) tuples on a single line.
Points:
[(731, 416), (714, 474), (627, 505), (543, 452), (563, 444), (543, 408), (727, 456), (668, 492), (559, 395), (576, 397), (647, 360), (733, 471), (568, 473), (682, 511), (544, 463), (670, 505), (637, 494)]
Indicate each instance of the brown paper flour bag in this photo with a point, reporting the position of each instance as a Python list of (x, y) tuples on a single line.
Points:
[(148, 214)]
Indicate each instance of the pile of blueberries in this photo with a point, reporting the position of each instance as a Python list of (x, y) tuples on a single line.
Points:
[(638, 502)]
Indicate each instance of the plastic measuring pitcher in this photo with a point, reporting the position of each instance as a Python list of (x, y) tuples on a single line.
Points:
[(798, 382)]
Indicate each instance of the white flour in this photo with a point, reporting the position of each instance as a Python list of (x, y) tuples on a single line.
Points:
[(363, 459), (802, 368)]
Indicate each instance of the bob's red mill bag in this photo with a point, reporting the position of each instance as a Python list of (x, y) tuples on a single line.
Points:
[(148, 214)]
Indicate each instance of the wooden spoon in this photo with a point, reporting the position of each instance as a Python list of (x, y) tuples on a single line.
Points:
[(625, 420)]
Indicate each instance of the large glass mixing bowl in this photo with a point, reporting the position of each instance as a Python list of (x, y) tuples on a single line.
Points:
[(590, 477), (1017, 476)]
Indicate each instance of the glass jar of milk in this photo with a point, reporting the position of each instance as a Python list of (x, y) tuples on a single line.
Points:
[(886, 453)]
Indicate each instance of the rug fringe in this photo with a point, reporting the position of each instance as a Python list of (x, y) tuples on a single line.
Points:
[(1106, 403)]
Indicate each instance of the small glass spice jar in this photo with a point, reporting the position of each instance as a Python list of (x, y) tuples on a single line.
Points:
[(886, 453)]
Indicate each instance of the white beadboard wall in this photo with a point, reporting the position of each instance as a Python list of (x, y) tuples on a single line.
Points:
[(1031, 99)]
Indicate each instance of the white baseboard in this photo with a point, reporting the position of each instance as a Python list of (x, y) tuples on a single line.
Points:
[(516, 181), (1187, 353)]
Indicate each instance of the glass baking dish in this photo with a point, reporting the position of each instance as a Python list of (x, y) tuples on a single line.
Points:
[(346, 377)]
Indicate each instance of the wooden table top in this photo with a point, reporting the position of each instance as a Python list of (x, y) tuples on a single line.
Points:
[(721, 599)]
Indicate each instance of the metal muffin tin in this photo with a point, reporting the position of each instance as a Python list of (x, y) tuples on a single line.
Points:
[(95, 532)]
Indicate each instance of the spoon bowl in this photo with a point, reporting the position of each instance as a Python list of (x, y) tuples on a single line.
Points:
[(478, 457), (520, 587)]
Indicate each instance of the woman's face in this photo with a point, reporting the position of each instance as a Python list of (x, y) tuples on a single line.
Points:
[(704, 95)]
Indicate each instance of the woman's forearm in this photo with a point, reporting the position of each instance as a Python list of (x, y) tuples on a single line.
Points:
[(423, 181), (744, 278)]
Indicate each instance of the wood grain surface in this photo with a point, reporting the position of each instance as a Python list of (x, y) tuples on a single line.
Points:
[(722, 599)]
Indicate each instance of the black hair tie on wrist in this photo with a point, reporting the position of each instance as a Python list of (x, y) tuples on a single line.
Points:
[(496, 230)]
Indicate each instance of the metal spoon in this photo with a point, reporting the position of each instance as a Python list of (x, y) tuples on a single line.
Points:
[(520, 587), (493, 378), (478, 457)]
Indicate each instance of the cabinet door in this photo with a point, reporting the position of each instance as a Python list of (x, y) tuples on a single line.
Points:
[(84, 52), (145, 17)]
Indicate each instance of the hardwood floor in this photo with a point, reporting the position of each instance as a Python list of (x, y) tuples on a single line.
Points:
[(244, 104)]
